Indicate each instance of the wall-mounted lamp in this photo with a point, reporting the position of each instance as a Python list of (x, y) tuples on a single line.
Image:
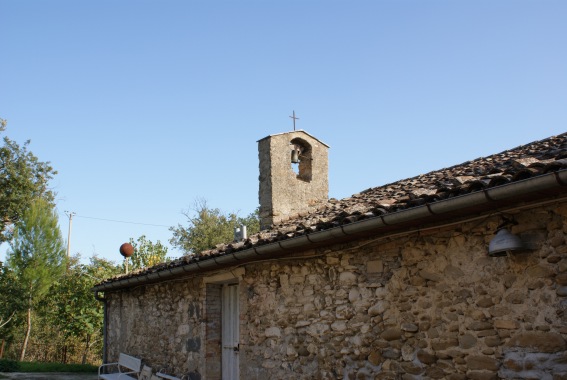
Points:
[(504, 241)]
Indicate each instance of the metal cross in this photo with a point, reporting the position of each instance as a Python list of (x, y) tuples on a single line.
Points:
[(294, 119)]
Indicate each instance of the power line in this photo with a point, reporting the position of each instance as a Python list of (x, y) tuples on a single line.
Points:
[(121, 221)]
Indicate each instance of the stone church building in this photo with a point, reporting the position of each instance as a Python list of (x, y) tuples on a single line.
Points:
[(460, 273)]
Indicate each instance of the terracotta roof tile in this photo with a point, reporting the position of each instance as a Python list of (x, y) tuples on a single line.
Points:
[(523, 162)]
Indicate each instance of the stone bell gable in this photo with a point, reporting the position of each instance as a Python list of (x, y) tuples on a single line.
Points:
[(293, 175)]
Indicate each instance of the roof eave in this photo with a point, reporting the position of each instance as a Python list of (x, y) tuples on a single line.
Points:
[(543, 186)]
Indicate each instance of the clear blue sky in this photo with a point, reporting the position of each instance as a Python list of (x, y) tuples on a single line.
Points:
[(145, 106)]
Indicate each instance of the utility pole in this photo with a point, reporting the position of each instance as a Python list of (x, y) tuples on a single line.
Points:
[(70, 215)]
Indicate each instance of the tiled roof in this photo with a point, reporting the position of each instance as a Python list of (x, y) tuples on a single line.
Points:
[(513, 165)]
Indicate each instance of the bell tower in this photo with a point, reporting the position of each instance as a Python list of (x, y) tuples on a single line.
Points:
[(294, 170)]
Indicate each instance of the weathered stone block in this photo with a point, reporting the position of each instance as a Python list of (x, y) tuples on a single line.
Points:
[(561, 291), (485, 302), (391, 334), (505, 324), (378, 308), (516, 297), (318, 329), (444, 344), (457, 376), (338, 326), (273, 332), (412, 368), (537, 342), (375, 266), (492, 341), (476, 362), (467, 341), (539, 271), (296, 279), (479, 325), (375, 358), (509, 280), (353, 295), (347, 278), (482, 375), (484, 333), (453, 272), (426, 357), (430, 276), (390, 353), (409, 327), (435, 373), (513, 364)]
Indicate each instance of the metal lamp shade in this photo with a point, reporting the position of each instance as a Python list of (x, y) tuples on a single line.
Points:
[(503, 242)]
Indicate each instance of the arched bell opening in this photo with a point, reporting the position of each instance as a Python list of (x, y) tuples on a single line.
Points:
[(301, 159)]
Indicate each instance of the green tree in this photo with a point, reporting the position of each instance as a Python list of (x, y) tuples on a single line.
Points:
[(11, 306), (10, 297), (37, 256), (72, 310), (146, 253), (22, 178), (209, 227)]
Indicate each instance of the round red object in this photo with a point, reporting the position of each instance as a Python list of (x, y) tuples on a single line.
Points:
[(126, 250)]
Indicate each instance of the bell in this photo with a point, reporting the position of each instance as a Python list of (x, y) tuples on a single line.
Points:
[(503, 242), (294, 156)]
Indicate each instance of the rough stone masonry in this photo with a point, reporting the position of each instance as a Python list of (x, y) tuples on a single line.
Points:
[(427, 305)]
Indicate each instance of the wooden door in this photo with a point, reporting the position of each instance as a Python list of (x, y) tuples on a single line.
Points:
[(230, 332)]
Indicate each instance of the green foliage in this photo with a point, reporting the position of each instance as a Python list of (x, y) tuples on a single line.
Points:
[(101, 269), (7, 365), (209, 227), (22, 178), (12, 302), (70, 317), (146, 253), (37, 251), (56, 367), (72, 313), (34, 289), (72, 306), (37, 256)]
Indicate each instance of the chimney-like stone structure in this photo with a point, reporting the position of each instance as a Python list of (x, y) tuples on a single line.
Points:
[(286, 188)]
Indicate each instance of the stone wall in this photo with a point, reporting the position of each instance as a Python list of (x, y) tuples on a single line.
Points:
[(427, 305), (162, 324)]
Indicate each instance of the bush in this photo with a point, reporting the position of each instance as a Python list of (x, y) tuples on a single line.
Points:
[(7, 365), (56, 367)]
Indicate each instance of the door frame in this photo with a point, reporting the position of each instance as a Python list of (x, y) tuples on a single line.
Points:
[(213, 329)]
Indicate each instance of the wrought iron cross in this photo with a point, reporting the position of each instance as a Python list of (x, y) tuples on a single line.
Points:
[(294, 119)]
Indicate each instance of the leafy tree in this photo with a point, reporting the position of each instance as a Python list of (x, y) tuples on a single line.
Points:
[(209, 227), (146, 253), (22, 178), (37, 256), (72, 310), (11, 306)]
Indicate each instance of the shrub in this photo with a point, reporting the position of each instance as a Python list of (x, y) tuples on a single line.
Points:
[(7, 365), (55, 367)]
